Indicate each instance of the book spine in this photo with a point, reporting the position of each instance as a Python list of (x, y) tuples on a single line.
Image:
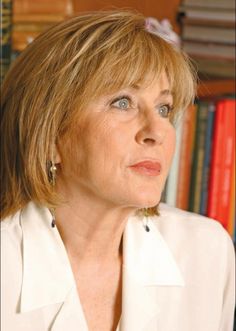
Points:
[(211, 4), (231, 221), (207, 158), (186, 154), (6, 29), (227, 167), (198, 158), (216, 162), (25, 7)]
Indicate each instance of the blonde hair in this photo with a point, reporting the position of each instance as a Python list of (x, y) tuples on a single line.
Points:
[(57, 75)]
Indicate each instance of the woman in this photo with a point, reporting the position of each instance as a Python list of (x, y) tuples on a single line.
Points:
[(88, 138)]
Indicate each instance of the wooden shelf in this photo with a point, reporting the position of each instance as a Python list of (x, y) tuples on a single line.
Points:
[(216, 87)]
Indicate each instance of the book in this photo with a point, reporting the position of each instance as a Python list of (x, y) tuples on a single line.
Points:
[(205, 21), (227, 165), (231, 222), (215, 166), (33, 17), (186, 154), (207, 157), (216, 14), (215, 34), (212, 67), (209, 50), (26, 27), (28, 18), (6, 26), (198, 157), (224, 4), (221, 168), (43, 7)]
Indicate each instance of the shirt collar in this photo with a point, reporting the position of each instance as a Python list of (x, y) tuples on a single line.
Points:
[(147, 256), (47, 274)]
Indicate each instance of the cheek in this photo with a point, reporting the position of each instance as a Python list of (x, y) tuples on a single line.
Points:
[(99, 147), (109, 139), (72, 148)]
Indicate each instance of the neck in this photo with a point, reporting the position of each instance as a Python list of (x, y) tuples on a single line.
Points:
[(91, 230)]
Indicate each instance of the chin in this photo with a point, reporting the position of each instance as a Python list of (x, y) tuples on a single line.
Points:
[(149, 200)]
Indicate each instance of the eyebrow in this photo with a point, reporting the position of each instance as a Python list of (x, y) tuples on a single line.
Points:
[(166, 92)]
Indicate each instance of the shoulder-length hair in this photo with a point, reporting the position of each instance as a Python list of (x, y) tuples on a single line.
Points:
[(52, 81)]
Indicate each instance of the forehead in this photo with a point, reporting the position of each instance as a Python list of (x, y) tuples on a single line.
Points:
[(159, 86)]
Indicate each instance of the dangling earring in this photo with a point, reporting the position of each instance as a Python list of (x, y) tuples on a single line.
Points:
[(53, 224), (145, 220), (52, 172)]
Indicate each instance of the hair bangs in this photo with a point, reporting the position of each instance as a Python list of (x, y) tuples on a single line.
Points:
[(132, 62)]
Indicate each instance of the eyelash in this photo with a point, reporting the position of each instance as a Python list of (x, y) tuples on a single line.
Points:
[(169, 109), (119, 99)]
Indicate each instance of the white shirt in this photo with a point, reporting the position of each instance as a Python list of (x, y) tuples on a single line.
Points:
[(179, 276)]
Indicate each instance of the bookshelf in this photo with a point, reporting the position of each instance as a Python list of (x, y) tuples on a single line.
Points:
[(208, 36)]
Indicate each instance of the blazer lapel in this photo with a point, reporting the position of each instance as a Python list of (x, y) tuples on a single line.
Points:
[(148, 264)]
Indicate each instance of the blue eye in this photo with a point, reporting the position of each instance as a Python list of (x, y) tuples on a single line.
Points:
[(121, 103), (164, 110)]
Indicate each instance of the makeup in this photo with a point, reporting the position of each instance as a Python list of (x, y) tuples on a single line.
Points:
[(147, 167)]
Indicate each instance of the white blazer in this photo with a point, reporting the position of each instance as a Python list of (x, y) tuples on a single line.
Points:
[(179, 276)]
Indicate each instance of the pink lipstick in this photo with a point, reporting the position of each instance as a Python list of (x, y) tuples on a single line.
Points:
[(148, 168)]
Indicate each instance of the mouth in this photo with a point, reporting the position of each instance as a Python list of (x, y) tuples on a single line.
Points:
[(147, 167)]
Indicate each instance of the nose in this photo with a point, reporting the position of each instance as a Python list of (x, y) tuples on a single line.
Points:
[(152, 130)]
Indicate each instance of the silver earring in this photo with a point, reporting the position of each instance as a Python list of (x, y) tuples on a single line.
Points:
[(52, 174), (145, 220)]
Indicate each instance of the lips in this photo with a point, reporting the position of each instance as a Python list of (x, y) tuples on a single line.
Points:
[(148, 168)]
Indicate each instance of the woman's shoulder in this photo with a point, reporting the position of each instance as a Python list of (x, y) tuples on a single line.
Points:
[(186, 219), (11, 238), (11, 253), (10, 223), (192, 229), (30, 212)]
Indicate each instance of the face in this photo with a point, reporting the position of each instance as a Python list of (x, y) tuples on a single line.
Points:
[(120, 152)]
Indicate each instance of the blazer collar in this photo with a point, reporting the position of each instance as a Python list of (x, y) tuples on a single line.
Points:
[(47, 274)]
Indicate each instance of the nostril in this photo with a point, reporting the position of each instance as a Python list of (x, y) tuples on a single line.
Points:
[(149, 141)]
